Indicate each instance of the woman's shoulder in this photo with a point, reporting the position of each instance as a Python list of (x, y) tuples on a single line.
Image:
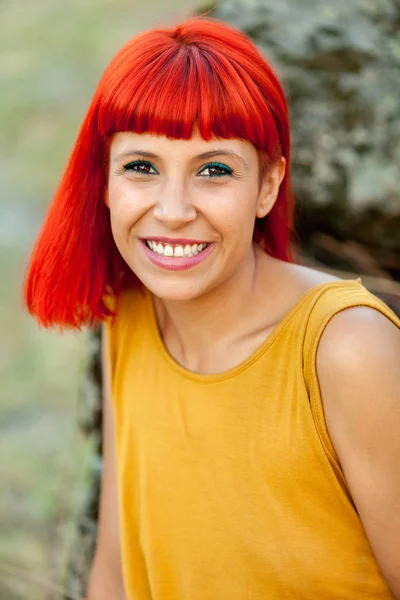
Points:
[(287, 284), (301, 279), (336, 308), (361, 320), (344, 302), (344, 322), (350, 329), (359, 379)]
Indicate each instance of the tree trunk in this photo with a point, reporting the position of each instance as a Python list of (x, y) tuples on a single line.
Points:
[(90, 423)]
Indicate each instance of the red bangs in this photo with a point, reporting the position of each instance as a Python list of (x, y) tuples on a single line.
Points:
[(168, 93)]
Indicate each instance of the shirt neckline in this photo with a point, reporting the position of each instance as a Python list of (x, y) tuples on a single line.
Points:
[(227, 374)]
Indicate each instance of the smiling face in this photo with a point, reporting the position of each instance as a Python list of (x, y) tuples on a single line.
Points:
[(183, 211)]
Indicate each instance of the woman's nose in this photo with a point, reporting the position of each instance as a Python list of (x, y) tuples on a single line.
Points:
[(174, 207)]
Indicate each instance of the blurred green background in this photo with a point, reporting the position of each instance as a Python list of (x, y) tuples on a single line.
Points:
[(52, 55)]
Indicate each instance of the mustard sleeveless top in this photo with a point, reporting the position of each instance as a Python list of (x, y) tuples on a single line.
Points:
[(229, 486)]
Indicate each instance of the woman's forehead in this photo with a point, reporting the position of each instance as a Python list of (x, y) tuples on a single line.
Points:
[(128, 141)]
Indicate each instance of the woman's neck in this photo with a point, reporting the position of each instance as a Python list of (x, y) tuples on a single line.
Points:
[(196, 332)]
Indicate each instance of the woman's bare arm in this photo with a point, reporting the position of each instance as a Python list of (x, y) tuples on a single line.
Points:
[(106, 580), (358, 364)]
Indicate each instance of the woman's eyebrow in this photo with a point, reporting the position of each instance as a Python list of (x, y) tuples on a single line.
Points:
[(210, 154), (224, 152), (128, 153)]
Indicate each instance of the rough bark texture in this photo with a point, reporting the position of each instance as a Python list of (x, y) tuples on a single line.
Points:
[(339, 63), (90, 423)]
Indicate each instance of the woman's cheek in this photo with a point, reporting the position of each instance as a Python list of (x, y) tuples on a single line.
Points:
[(234, 217), (127, 207)]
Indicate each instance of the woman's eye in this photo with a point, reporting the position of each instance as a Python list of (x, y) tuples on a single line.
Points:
[(140, 166), (216, 170), (210, 171)]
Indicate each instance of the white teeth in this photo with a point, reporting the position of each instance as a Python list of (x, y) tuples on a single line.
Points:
[(178, 251)]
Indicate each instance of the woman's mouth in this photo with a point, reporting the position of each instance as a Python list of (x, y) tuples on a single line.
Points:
[(176, 256), (180, 250)]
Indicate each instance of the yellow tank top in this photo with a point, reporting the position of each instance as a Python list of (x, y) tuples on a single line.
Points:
[(229, 486)]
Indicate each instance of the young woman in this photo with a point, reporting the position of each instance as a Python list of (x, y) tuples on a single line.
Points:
[(251, 405)]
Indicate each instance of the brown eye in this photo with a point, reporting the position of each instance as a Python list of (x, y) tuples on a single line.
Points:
[(216, 170), (139, 166)]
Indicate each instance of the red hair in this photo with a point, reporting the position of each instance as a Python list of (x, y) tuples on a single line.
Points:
[(162, 81)]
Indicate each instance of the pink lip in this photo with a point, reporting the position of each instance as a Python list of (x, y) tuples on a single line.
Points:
[(175, 263)]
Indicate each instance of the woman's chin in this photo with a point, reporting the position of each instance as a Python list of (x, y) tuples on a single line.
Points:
[(176, 288), (182, 292)]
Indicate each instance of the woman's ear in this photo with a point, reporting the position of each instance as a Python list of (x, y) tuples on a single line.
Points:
[(270, 187)]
